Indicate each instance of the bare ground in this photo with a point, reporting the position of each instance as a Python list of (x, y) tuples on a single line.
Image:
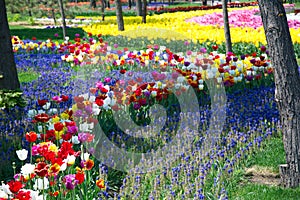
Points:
[(262, 175)]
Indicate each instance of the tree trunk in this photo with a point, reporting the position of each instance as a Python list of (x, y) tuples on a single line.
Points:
[(103, 9), (139, 7), (287, 82), (226, 27), (129, 4), (53, 16), (63, 17), (8, 72), (119, 14), (144, 11), (29, 8), (93, 4)]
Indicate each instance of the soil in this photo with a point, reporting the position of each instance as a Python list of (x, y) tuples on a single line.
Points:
[(262, 175), (41, 24)]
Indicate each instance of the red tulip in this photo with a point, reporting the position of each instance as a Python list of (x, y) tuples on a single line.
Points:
[(66, 136), (31, 136), (41, 169), (42, 102), (58, 126), (215, 47), (123, 71), (64, 98), (44, 118), (79, 177), (89, 164), (100, 183), (99, 102), (15, 186)]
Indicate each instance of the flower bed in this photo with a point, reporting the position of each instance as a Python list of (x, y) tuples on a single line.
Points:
[(160, 10), (238, 18), (190, 31), (82, 84)]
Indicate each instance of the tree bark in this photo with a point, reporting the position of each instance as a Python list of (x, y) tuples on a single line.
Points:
[(63, 17), (8, 72), (103, 9), (119, 14), (138, 7), (144, 11), (53, 16), (29, 8), (226, 27), (129, 4), (93, 4), (287, 82)]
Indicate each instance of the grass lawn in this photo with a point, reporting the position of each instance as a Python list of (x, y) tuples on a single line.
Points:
[(25, 77), (263, 192), (44, 34), (269, 157)]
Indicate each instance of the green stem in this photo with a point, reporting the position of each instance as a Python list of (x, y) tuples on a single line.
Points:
[(43, 189), (30, 153)]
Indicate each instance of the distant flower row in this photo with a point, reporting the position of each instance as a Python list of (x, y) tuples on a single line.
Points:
[(159, 10), (228, 68), (191, 31), (237, 18)]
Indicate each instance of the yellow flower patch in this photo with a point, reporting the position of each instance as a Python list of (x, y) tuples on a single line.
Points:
[(172, 26)]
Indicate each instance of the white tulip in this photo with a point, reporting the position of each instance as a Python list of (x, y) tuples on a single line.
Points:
[(41, 184), (53, 111), (70, 159), (46, 106), (3, 195), (201, 87), (92, 98), (84, 127), (219, 79), (22, 154), (27, 169), (63, 167), (153, 93), (40, 111), (31, 113), (75, 139), (85, 156), (5, 188)]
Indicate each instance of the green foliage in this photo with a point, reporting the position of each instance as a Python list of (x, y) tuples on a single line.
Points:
[(12, 27), (25, 77), (297, 50), (271, 155), (31, 21), (10, 99), (92, 13), (46, 33), (16, 6), (16, 17), (43, 8), (181, 46), (256, 192)]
